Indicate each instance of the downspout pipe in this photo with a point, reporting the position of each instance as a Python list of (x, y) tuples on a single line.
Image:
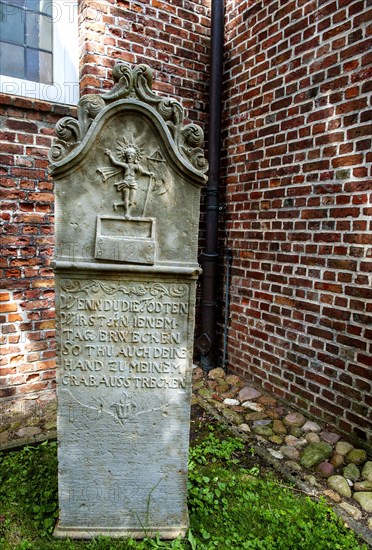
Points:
[(206, 342)]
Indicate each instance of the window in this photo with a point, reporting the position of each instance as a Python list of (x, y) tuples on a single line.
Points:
[(39, 49)]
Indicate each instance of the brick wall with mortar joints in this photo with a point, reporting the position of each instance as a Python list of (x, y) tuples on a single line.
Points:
[(173, 38), (297, 175), (27, 362)]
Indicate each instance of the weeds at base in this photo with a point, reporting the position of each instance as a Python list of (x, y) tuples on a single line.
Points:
[(232, 503)]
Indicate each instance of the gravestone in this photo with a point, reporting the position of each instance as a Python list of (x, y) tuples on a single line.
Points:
[(128, 175)]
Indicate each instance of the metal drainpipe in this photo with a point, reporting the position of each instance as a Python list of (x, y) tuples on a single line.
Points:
[(229, 260), (206, 343)]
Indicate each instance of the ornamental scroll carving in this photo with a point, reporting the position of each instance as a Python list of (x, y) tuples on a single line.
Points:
[(131, 84), (143, 291)]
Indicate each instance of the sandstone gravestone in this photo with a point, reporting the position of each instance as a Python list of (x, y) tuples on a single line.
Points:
[(127, 177)]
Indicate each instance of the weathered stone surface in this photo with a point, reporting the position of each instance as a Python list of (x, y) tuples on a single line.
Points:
[(279, 428), (351, 510), (363, 486), (197, 374), (367, 471), (222, 386), (340, 485), (231, 402), (244, 427), (343, 448), (293, 441), (337, 460), (312, 437), (232, 416), (233, 380), (4, 436), (296, 431), (127, 214), (29, 431), (248, 393), (289, 452), (311, 480), (357, 456), (267, 401), (330, 437), (293, 466), (281, 410), (310, 426), (364, 499), (262, 422), (332, 495), (197, 385), (369, 523), (217, 374), (265, 431), (276, 454), (325, 469), (250, 417), (238, 409), (227, 395), (294, 419), (351, 471), (206, 393), (276, 439), (253, 406), (315, 453)]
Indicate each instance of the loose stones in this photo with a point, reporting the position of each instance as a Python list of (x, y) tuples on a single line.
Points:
[(329, 437), (310, 426), (253, 406), (367, 471), (343, 448), (340, 485), (351, 510), (231, 402), (365, 500), (357, 456), (248, 394), (315, 453), (294, 419), (325, 469), (351, 471)]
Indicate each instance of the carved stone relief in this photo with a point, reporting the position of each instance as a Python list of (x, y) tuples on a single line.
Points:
[(128, 175)]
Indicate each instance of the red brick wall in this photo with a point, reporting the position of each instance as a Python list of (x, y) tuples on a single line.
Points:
[(171, 37), (297, 182), (27, 363)]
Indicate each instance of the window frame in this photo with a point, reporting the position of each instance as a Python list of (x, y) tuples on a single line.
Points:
[(65, 87)]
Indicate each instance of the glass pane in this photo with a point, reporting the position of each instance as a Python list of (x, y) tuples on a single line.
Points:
[(43, 6), (12, 24), (12, 60), (39, 66), (32, 59), (19, 3), (46, 68), (39, 31)]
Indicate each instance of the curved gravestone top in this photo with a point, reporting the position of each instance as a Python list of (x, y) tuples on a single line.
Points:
[(128, 175)]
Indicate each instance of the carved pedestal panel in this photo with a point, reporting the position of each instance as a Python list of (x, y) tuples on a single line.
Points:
[(128, 176)]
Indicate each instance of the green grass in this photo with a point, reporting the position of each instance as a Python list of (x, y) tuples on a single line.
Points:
[(231, 507)]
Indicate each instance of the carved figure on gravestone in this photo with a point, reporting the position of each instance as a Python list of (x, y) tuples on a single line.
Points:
[(129, 156), (124, 409)]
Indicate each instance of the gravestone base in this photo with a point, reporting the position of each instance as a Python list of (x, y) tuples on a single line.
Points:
[(164, 533)]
